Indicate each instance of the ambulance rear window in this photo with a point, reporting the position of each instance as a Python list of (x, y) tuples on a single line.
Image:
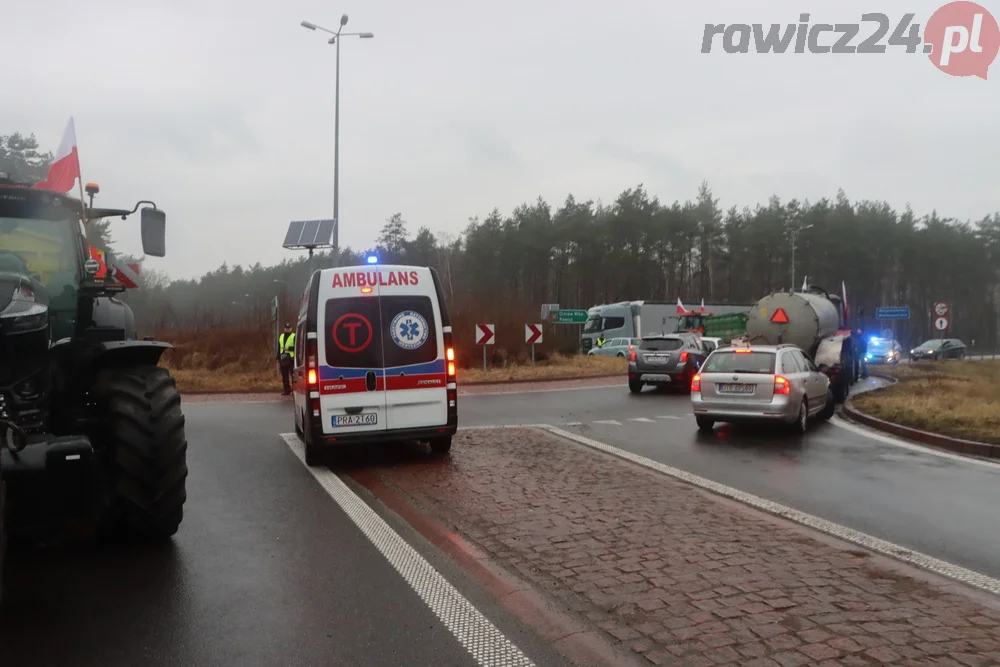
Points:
[(352, 329), (409, 330)]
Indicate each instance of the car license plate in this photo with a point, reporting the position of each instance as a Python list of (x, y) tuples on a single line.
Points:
[(363, 419), (729, 388), (656, 359)]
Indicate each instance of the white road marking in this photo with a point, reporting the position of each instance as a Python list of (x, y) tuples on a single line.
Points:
[(488, 646), (572, 424), (490, 427), (642, 419), (902, 444), (941, 567), (609, 421), (533, 391), (669, 417)]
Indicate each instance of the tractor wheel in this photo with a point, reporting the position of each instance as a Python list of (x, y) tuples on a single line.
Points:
[(147, 451)]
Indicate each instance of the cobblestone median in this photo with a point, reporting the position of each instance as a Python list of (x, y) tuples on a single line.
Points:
[(684, 577)]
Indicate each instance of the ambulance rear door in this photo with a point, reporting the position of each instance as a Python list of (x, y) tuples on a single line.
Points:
[(414, 350), (351, 360)]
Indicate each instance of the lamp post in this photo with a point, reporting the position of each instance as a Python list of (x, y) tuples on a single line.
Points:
[(794, 232), (336, 122)]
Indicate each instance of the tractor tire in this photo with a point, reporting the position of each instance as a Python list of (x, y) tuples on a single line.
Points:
[(147, 452)]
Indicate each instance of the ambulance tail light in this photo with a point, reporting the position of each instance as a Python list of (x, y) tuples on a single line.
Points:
[(312, 376), (451, 376)]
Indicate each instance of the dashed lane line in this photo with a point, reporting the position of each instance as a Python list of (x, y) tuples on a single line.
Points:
[(642, 419), (487, 645), (924, 561), (668, 417), (611, 422), (902, 444)]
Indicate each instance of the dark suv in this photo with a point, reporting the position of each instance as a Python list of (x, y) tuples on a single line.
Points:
[(666, 360)]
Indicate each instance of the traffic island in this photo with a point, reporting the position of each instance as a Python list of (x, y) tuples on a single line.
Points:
[(949, 405), (665, 572)]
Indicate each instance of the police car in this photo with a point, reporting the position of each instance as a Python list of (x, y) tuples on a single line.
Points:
[(374, 359)]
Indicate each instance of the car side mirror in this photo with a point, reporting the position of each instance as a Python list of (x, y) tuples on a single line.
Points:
[(154, 232)]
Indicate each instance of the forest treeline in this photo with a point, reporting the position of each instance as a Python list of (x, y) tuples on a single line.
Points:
[(501, 268)]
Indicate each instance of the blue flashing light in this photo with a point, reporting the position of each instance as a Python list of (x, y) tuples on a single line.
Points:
[(372, 259), (875, 339)]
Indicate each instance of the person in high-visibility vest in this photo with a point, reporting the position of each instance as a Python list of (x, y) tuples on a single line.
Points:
[(286, 357)]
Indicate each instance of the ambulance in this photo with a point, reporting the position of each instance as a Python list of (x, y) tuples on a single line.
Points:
[(374, 359)]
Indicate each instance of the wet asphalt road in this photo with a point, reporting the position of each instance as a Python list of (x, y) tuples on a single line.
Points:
[(266, 570), (942, 507)]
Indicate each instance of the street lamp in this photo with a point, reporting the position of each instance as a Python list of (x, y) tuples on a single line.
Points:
[(336, 122), (794, 231)]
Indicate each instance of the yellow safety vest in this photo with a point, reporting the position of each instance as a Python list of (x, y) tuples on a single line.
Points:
[(286, 343)]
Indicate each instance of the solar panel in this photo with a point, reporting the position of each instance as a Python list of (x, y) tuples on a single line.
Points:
[(309, 234), (294, 232), (324, 236)]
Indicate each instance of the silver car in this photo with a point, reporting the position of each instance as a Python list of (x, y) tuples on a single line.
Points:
[(767, 383)]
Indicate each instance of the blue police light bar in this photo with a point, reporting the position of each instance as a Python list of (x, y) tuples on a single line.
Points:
[(372, 259)]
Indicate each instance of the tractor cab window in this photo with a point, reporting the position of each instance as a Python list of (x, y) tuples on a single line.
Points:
[(46, 251)]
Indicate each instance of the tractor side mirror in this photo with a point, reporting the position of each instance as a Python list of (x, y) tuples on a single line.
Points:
[(154, 232)]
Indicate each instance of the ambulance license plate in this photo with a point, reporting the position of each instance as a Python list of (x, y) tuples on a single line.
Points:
[(363, 419)]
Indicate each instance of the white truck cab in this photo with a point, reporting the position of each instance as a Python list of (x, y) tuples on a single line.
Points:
[(374, 360)]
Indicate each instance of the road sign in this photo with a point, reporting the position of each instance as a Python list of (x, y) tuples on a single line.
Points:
[(274, 309), (941, 308), (892, 313), (941, 323), (532, 333), (568, 316), (548, 308), (485, 334)]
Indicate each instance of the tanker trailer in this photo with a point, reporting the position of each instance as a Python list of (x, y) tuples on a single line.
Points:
[(813, 321)]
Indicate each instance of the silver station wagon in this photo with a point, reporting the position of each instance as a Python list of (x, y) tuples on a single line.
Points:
[(767, 383)]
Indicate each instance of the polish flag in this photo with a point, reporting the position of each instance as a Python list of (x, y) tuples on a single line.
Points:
[(702, 305), (65, 168), (681, 310)]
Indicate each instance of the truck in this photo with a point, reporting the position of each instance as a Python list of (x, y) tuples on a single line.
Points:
[(725, 322), (627, 319), (635, 319), (815, 321), (92, 438)]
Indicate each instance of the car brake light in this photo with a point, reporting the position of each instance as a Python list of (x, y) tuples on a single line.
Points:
[(742, 351), (631, 355), (696, 383), (684, 357), (781, 385)]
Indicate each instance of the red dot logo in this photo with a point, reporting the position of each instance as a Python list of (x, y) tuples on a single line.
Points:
[(964, 39)]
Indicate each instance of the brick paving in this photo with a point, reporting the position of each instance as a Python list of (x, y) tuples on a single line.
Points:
[(683, 577)]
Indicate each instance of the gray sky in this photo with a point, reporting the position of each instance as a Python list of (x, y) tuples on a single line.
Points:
[(222, 112)]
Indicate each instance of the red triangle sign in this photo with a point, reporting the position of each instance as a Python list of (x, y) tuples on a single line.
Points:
[(779, 317)]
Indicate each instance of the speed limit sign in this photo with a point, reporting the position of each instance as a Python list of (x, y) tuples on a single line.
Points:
[(941, 308)]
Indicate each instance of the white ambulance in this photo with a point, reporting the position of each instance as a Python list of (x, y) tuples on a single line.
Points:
[(374, 360)]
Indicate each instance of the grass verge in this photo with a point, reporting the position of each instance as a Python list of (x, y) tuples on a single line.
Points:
[(237, 377), (960, 399)]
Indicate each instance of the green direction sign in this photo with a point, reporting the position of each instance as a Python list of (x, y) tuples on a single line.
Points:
[(568, 316)]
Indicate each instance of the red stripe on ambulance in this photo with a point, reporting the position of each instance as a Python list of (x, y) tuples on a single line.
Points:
[(403, 382)]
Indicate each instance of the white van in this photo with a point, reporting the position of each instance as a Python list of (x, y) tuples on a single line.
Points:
[(374, 360)]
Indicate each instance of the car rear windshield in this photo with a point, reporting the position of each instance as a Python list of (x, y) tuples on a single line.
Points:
[(740, 362), (661, 344), (353, 337), (410, 335)]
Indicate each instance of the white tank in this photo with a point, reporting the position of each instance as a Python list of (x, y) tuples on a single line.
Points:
[(810, 319)]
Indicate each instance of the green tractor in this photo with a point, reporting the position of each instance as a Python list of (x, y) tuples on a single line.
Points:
[(92, 440)]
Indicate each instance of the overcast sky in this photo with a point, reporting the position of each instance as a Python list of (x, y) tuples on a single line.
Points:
[(222, 112)]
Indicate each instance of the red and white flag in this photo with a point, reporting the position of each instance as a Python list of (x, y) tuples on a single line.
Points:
[(702, 305), (65, 168), (681, 310)]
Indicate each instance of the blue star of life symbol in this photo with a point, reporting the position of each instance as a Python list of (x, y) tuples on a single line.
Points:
[(409, 330)]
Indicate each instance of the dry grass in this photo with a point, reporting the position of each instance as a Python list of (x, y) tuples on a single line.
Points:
[(233, 361), (955, 398)]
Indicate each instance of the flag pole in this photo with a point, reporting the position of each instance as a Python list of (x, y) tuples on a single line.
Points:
[(79, 171)]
